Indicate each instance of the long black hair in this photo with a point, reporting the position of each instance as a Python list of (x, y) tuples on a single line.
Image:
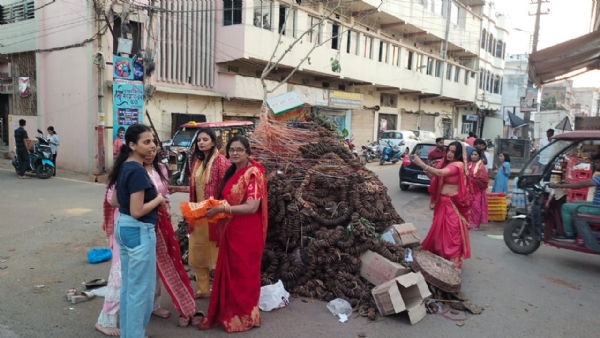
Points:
[(506, 157), (231, 170), (200, 154), (458, 153), (131, 135), (158, 168), (51, 128)]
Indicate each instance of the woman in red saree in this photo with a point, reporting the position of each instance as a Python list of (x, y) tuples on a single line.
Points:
[(236, 285), (479, 184), (451, 198)]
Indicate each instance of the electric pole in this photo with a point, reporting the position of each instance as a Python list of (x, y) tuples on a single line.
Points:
[(536, 35)]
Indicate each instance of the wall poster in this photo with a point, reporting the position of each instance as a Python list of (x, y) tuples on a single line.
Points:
[(128, 109)]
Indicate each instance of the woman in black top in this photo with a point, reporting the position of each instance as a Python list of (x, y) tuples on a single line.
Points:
[(138, 203)]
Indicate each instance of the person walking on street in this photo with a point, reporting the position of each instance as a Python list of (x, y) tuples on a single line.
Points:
[(54, 143), (22, 143)]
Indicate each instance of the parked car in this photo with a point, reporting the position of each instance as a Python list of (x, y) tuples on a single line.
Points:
[(423, 135), (406, 139), (410, 173)]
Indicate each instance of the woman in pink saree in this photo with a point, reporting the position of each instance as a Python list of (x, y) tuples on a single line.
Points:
[(479, 184), (448, 236)]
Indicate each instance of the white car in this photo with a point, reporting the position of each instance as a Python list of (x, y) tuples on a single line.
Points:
[(406, 139), (424, 135)]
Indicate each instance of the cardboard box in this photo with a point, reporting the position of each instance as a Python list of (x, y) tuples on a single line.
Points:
[(378, 269), (402, 234), (404, 293), (102, 178)]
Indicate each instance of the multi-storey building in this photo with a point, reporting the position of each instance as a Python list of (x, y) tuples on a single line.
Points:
[(484, 115), (368, 64)]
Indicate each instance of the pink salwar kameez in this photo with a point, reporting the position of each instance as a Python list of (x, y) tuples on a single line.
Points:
[(479, 185)]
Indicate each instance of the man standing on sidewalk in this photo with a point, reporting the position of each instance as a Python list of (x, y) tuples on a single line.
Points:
[(22, 143)]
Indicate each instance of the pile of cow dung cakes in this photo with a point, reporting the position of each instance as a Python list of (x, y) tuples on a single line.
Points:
[(325, 210)]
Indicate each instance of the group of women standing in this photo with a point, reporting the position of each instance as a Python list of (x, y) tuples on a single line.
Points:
[(146, 253), (458, 195)]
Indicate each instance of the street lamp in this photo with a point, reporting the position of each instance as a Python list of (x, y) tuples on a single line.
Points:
[(530, 38)]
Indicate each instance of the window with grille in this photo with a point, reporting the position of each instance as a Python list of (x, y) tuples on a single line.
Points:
[(17, 12), (466, 127), (388, 100)]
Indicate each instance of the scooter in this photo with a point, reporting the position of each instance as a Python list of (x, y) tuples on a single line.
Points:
[(489, 143), (390, 153), (371, 151), (40, 161)]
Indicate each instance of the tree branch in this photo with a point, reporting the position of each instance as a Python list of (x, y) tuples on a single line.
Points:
[(291, 9), (267, 71), (307, 56)]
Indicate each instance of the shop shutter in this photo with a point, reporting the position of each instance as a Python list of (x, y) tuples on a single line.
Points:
[(409, 121), (363, 124), (427, 122), (241, 108)]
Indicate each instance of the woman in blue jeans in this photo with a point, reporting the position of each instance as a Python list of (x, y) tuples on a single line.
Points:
[(138, 203)]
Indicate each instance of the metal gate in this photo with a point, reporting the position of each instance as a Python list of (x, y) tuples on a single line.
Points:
[(389, 121)]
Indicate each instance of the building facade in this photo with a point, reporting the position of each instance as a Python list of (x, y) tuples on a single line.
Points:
[(371, 66), (484, 115)]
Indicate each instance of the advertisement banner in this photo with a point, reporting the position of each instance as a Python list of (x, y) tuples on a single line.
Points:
[(128, 109), (122, 68)]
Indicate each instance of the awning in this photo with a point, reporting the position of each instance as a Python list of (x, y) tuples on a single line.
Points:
[(565, 124), (515, 121), (547, 64)]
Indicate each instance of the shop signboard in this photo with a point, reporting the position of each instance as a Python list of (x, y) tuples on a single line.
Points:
[(340, 99), (128, 109)]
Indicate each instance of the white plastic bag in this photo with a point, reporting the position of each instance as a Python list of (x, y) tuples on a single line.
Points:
[(339, 306), (273, 297)]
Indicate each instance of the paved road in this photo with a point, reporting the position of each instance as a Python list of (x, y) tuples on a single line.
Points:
[(47, 227)]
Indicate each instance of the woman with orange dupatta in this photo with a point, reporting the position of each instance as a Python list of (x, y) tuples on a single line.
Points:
[(208, 169), (480, 180), (451, 197), (236, 285)]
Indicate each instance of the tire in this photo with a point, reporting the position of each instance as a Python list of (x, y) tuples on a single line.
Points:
[(368, 158), (44, 171), (381, 162), (175, 178), (404, 187), (524, 244), (394, 162)]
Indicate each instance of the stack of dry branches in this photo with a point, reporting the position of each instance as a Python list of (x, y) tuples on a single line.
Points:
[(325, 210)]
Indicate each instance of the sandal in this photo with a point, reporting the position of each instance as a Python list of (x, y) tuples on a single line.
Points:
[(70, 293), (82, 297), (198, 318), (183, 322), (95, 283), (202, 295)]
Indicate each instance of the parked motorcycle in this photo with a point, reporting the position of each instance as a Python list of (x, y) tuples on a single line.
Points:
[(179, 177), (40, 161), (489, 143), (371, 151), (391, 153)]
